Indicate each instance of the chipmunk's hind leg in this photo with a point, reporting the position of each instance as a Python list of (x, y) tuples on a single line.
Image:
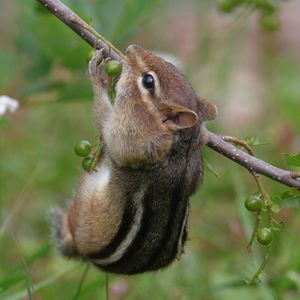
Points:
[(61, 233)]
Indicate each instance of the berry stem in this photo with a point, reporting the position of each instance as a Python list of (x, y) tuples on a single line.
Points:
[(253, 235), (261, 267), (234, 140), (98, 36), (258, 218), (265, 198), (96, 156)]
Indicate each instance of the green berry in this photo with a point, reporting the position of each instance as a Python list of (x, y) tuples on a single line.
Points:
[(89, 55), (228, 6), (113, 68), (270, 22), (253, 203), (264, 6), (87, 163), (264, 236), (83, 148)]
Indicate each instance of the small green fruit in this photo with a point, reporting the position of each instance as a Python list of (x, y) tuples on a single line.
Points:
[(87, 163), (113, 68), (253, 203), (83, 148), (265, 6), (270, 22), (228, 6), (264, 236), (89, 55)]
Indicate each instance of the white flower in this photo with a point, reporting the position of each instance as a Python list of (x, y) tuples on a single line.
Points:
[(8, 104)]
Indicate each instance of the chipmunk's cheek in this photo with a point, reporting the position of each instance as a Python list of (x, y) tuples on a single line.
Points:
[(124, 85)]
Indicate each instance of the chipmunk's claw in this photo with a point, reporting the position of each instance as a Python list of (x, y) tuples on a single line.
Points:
[(95, 70)]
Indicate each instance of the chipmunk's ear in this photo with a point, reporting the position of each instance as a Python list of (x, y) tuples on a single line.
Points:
[(208, 111), (180, 117)]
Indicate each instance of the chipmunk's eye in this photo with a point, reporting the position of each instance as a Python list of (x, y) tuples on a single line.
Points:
[(148, 81)]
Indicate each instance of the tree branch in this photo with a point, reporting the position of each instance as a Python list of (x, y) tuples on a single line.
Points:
[(215, 142), (72, 20), (251, 163)]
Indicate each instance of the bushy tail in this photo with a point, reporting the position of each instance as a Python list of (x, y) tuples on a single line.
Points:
[(61, 233)]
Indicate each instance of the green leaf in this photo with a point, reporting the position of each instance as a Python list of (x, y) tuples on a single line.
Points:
[(77, 90), (275, 199), (44, 41), (49, 281), (36, 62), (29, 289), (103, 13), (275, 208), (251, 140), (40, 252), (8, 63), (58, 91), (41, 86), (292, 160), (3, 122), (286, 89), (12, 280), (211, 169), (59, 43), (291, 199), (134, 12)]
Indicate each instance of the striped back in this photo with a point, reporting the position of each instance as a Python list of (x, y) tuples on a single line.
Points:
[(153, 228)]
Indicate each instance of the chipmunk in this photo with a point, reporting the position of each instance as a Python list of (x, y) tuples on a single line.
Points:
[(130, 214)]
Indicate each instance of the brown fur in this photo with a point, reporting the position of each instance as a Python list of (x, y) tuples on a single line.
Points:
[(152, 141)]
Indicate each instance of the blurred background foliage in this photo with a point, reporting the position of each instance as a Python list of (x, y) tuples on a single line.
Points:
[(248, 66)]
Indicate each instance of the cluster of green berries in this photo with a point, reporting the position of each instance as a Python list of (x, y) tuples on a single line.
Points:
[(83, 149), (112, 68), (264, 235), (269, 17)]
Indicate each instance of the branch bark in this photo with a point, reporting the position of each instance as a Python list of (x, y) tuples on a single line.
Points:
[(215, 142), (251, 163)]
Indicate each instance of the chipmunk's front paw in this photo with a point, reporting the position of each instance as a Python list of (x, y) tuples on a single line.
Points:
[(95, 71)]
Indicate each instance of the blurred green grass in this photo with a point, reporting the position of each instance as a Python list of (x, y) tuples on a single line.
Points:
[(38, 170)]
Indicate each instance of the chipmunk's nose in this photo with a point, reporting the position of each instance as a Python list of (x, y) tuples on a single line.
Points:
[(131, 49)]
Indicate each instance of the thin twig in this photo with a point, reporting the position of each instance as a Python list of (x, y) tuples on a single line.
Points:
[(253, 164), (254, 232), (72, 20), (234, 140), (261, 268), (265, 198), (215, 142)]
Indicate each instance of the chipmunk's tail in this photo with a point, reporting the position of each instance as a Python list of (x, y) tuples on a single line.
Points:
[(61, 233)]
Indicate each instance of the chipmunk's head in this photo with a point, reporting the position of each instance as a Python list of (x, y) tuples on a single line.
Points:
[(161, 87)]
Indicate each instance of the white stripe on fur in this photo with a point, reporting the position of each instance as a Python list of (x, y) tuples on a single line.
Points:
[(136, 223)]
